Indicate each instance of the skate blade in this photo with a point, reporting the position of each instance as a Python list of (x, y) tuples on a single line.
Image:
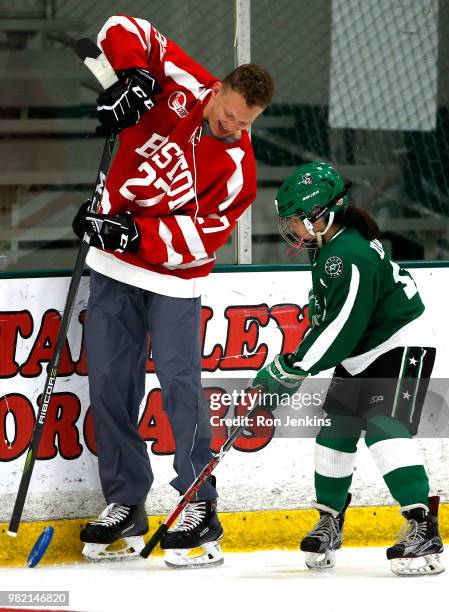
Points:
[(185, 558), (417, 566), (125, 548), (320, 561)]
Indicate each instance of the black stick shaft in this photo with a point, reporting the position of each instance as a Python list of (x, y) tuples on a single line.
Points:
[(194, 487), (59, 346)]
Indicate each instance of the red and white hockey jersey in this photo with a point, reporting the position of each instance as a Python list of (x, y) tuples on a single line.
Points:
[(185, 188)]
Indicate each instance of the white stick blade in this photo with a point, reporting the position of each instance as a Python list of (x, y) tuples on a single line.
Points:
[(96, 61)]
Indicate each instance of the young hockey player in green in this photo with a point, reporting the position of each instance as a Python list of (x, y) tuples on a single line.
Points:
[(365, 314)]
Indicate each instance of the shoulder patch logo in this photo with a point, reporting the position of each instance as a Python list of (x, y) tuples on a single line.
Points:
[(333, 266), (177, 102)]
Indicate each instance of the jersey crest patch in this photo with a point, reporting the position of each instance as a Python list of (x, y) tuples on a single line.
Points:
[(177, 102), (333, 266)]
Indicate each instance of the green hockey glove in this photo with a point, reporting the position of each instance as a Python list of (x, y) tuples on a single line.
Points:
[(280, 377), (315, 310)]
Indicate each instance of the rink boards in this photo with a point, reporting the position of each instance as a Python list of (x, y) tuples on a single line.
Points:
[(248, 318)]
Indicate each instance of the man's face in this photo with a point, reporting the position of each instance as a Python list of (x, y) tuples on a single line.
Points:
[(227, 112)]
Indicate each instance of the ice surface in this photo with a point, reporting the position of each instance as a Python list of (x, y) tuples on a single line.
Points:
[(274, 581)]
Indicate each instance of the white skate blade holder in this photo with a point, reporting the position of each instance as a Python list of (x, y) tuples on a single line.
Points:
[(178, 558), (417, 566), (320, 561), (100, 552)]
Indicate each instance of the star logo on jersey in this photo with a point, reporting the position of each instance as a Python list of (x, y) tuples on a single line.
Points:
[(333, 266), (412, 361)]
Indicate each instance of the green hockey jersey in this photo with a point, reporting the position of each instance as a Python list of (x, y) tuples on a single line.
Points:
[(361, 299)]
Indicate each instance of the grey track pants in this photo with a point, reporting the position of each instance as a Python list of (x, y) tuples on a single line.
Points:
[(119, 319)]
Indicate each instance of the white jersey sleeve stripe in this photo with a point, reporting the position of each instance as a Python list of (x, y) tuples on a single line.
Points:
[(191, 236), (146, 27), (184, 79), (329, 335), (235, 183), (191, 264), (128, 25), (224, 224), (173, 258)]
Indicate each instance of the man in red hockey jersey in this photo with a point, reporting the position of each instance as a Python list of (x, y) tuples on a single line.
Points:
[(182, 176)]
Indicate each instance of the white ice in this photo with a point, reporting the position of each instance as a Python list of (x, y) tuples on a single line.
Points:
[(275, 581)]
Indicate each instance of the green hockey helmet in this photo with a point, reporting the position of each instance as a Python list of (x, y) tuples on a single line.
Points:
[(313, 191)]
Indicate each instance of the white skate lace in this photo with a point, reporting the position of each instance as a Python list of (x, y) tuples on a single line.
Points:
[(412, 533), (191, 516), (111, 515), (326, 528)]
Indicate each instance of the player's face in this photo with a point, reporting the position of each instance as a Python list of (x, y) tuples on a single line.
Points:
[(298, 228), (227, 112)]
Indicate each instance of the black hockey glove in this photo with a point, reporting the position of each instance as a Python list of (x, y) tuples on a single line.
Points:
[(110, 232), (123, 104)]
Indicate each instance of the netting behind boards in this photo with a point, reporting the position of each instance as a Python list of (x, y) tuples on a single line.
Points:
[(363, 85)]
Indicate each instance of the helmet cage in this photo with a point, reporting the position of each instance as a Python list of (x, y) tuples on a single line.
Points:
[(316, 213), (294, 241)]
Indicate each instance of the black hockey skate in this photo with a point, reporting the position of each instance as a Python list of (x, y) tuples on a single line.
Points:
[(419, 545), (117, 522), (198, 527), (325, 538)]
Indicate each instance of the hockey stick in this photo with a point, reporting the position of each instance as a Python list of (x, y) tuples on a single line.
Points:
[(200, 480), (98, 64)]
